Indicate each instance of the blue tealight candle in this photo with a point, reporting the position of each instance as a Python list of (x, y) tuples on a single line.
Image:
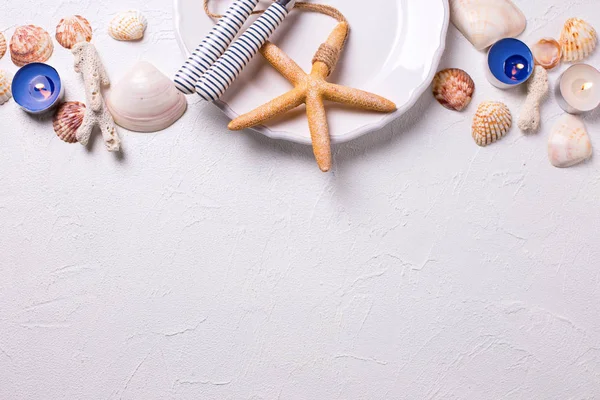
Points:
[(37, 88), (509, 63)]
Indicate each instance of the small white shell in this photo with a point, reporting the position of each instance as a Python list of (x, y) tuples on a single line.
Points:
[(128, 25), (2, 45), (29, 44), (547, 52), (5, 91), (68, 119), (569, 143), (72, 30), (491, 122), (578, 40), (145, 100)]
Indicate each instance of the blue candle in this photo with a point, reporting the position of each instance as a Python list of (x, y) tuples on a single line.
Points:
[(509, 63), (37, 88)]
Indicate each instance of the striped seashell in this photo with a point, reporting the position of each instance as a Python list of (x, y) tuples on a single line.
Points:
[(453, 88), (68, 119), (29, 44), (72, 30), (128, 25), (5, 91), (578, 40), (2, 45), (492, 121)]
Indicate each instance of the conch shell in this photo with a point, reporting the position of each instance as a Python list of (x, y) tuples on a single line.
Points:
[(578, 40), (569, 143), (492, 122), (128, 25), (68, 119), (72, 30), (29, 44), (5, 91), (2, 45)]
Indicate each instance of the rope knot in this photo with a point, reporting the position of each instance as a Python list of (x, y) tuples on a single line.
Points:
[(328, 55)]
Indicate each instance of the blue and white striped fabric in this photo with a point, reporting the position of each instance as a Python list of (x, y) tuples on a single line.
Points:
[(215, 44), (217, 79)]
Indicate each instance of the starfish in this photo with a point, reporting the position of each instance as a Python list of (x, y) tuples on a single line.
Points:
[(312, 89)]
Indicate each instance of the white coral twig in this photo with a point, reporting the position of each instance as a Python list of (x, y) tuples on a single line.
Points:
[(537, 90), (87, 62)]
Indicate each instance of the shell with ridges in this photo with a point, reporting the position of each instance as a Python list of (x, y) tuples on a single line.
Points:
[(5, 91), (29, 44), (453, 88), (72, 30), (547, 53), (491, 122), (128, 25), (569, 143), (2, 45), (578, 40), (68, 119)]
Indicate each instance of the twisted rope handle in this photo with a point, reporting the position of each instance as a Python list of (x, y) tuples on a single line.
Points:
[(318, 8)]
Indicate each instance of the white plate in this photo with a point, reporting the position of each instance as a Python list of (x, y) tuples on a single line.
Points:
[(393, 50)]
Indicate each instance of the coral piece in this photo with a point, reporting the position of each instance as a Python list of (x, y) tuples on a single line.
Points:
[(2, 45), (88, 63), (569, 143), (68, 119), (311, 89), (537, 90), (578, 40), (5, 92), (128, 25), (492, 121), (453, 88), (145, 100), (484, 22), (547, 53), (29, 44), (72, 30)]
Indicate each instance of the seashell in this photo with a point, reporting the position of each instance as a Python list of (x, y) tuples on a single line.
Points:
[(453, 88), (128, 25), (5, 91), (68, 119), (578, 40), (569, 143), (72, 30), (547, 53), (145, 100), (484, 22), (492, 121), (29, 44), (2, 45)]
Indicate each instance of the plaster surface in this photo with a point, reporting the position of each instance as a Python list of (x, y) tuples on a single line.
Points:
[(204, 264)]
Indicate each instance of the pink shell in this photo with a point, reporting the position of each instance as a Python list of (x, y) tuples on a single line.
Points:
[(72, 30), (453, 88), (68, 119), (2, 45), (547, 53), (29, 44)]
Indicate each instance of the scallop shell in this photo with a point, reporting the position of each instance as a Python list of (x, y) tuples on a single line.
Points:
[(547, 53), (72, 30), (484, 22), (492, 121), (2, 45), (68, 119), (5, 91), (453, 88), (578, 40), (145, 100), (29, 44), (569, 143), (128, 25)]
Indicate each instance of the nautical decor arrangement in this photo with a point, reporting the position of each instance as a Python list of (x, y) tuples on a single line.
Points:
[(146, 100)]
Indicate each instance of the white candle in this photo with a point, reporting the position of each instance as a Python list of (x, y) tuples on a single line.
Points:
[(578, 90)]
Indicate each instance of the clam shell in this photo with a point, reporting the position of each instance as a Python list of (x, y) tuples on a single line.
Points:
[(145, 100), (453, 88), (68, 119), (29, 44), (72, 30), (484, 22), (492, 121), (2, 45), (569, 143), (128, 25), (5, 91), (578, 40), (547, 53)]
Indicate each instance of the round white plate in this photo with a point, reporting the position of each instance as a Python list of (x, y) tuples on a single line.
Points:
[(393, 50)]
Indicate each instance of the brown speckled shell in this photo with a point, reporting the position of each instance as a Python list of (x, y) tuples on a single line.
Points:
[(453, 88), (29, 44), (72, 30), (2, 45), (547, 53), (578, 40), (68, 119), (491, 122)]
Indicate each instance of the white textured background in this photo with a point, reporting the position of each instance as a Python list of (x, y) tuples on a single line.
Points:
[(211, 265)]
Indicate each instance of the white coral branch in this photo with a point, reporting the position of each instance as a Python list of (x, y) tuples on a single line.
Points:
[(537, 90)]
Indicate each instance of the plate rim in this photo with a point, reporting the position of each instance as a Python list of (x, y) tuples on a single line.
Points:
[(350, 135)]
